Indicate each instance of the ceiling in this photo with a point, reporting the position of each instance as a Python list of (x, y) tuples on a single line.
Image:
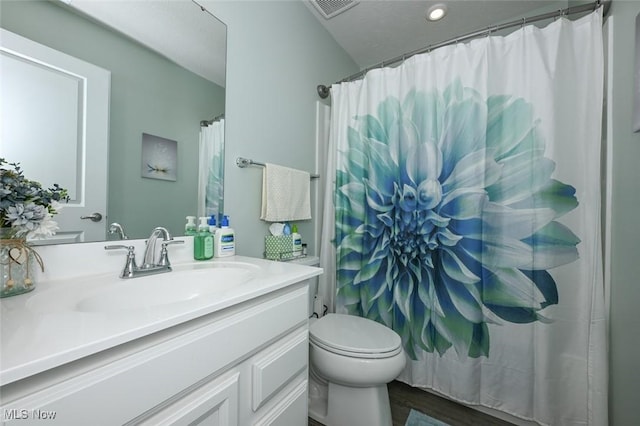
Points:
[(373, 31), (177, 29)]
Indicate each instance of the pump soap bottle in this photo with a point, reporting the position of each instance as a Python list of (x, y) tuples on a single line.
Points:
[(212, 225), (190, 227), (297, 241), (203, 242), (225, 244)]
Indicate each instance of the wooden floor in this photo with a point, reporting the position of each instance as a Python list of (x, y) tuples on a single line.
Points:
[(403, 398)]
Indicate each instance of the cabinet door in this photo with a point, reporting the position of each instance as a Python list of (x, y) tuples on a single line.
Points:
[(213, 404), (290, 411), (278, 365)]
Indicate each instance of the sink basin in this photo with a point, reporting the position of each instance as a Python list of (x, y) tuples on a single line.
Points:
[(190, 282)]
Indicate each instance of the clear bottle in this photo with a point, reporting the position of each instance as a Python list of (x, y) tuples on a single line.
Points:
[(203, 242), (225, 244), (212, 225), (190, 228), (212, 230)]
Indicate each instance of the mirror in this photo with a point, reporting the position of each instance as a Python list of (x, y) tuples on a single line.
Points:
[(155, 90)]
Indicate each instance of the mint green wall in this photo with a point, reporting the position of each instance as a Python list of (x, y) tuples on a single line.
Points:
[(625, 253), (277, 54), (149, 94)]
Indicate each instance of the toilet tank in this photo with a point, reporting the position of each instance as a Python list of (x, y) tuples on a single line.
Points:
[(313, 282)]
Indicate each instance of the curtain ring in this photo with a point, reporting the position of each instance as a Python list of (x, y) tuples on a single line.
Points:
[(524, 22)]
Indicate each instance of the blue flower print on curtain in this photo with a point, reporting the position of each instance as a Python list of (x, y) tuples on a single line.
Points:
[(446, 219)]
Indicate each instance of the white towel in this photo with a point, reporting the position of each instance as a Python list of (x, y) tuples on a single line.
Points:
[(286, 194)]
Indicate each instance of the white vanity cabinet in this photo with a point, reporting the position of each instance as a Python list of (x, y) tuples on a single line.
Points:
[(242, 365)]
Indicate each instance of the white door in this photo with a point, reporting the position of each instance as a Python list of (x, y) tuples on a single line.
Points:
[(55, 122)]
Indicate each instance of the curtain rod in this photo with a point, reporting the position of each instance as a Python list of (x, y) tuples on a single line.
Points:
[(246, 162), (323, 91), (205, 123)]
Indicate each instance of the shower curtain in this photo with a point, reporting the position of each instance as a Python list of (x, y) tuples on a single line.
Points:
[(466, 211), (211, 169)]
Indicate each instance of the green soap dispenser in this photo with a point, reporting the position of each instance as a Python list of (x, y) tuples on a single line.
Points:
[(203, 241), (190, 228)]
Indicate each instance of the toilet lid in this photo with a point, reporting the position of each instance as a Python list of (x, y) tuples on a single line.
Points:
[(354, 336)]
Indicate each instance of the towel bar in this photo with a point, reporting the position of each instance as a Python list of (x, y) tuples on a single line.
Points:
[(246, 162)]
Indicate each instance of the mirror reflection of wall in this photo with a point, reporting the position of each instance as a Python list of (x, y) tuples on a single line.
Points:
[(149, 94)]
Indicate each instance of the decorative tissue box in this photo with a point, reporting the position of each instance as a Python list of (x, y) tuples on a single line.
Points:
[(278, 247)]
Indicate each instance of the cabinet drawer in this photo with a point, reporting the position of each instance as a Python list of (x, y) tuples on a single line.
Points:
[(277, 365)]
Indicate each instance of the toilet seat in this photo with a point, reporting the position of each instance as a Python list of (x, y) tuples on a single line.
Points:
[(354, 337)]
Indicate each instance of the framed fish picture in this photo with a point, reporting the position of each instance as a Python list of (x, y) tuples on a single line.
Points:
[(159, 158)]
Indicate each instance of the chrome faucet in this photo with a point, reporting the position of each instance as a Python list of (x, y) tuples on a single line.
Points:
[(116, 228), (149, 260), (150, 264)]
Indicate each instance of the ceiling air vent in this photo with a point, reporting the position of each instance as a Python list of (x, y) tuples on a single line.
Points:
[(331, 8)]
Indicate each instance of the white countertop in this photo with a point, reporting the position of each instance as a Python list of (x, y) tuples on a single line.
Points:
[(36, 336)]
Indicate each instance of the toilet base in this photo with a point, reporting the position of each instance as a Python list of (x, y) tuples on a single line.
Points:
[(318, 390), (338, 405)]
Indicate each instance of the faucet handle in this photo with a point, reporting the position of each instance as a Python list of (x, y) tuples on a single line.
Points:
[(119, 247), (166, 243), (130, 267), (164, 253)]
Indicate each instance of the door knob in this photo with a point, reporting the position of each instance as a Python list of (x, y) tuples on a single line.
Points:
[(95, 217)]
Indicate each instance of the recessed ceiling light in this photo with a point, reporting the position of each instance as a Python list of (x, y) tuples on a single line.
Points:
[(436, 12)]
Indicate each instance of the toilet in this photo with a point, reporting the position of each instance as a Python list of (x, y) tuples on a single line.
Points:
[(351, 360)]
